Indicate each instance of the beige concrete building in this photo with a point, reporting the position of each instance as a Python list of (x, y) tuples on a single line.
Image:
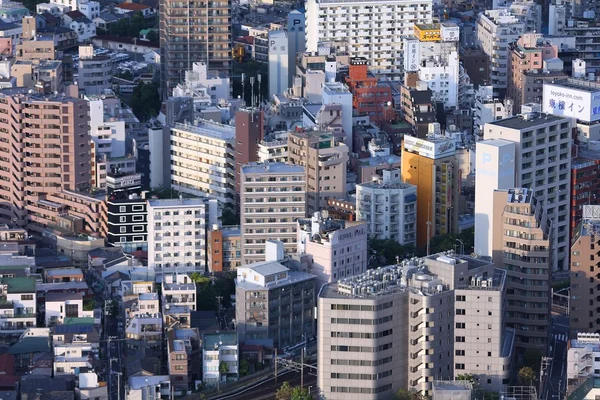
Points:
[(272, 199), (324, 159), (584, 274), (407, 325), (522, 245), (46, 76)]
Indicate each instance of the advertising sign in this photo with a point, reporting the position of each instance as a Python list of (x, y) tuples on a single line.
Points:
[(571, 102), (430, 149), (449, 32), (411, 54), (427, 33)]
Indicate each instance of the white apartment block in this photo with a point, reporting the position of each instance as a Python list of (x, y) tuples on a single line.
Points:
[(106, 128), (178, 290), (389, 208), (219, 348), (495, 29), (273, 198), (488, 108), (542, 164), (583, 356), (407, 325), (273, 148), (59, 306), (338, 248), (177, 233), (529, 12), (69, 358), (203, 160), (18, 308), (370, 29)]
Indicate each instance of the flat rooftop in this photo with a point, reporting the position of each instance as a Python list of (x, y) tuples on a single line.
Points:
[(169, 203), (212, 341), (208, 128), (580, 84), (520, 123), (272, 168)]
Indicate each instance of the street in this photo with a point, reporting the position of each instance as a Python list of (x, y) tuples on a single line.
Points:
[(555, 382)]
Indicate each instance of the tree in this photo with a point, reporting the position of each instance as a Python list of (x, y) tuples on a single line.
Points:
[(284, 392), (527, 376), (404, 394), (152, 36), (229, 217), (145, 101), (467, 377), (532, 359), (451, 242), (386, 250), (199, 279), (244, 367), (223, 368), (299, 393)]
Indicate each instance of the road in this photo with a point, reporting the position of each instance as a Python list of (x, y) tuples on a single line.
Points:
[(555, 383)]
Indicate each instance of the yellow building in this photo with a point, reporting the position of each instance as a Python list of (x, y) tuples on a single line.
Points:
[(432, 166)]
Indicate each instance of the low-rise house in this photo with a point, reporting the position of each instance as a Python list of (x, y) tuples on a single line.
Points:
[(63, 275), (183, 349), (149, 387), (219, 349), (72, 358), (127, 7), (17, 305), (89, 388), (31, 348), (59, 306), (76, 20)]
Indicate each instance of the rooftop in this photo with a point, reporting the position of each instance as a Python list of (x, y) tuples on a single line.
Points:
[(19, 285), (272, 168), (581, 84), (208, 128), (182, 202), (521, 122), (267, 268), (63, 271), (213, 341), (52, 297), (519, 195)]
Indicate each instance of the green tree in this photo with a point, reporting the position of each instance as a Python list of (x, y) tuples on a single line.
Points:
[(145, 101), (152, 36), (284, 392), (299, 393), (137, 23), (387, 250), (229, 217), (199, 279), (527, 376), (451, 242), (467, 377), (404, 394), (532, 359), (244, 367), (223, 368)]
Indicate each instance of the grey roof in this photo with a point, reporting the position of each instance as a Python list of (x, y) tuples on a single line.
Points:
[(139, 382), (519, 123), (50, 297), (169, 203), (267, 268), (272, 168)]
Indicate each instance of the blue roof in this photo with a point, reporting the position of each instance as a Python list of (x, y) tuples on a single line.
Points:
[(73, 328)]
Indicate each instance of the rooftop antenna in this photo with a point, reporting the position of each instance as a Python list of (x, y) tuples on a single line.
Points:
[(244, 87), (258, 77)]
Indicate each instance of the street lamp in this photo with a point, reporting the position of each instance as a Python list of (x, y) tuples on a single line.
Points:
[(462, 246)]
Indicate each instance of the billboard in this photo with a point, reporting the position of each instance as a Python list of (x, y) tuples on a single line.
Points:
[(449, 32), (427, 33), (412, 55), (569, 102), (430, 149)]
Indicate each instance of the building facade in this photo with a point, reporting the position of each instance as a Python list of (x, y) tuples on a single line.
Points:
[(273, 198)]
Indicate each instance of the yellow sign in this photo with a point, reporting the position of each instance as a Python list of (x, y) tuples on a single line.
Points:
[(427, 35)]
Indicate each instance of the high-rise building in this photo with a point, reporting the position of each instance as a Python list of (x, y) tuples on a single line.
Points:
[(584, 274), (542, 164), (389, 208), (403, 326), (199, 31), (272, 199), (274, 304), (325, 161), (279, 59), (432, 52), (296, 30), (532, 61), (249, 132), (585, 184), (495, 29), (370, 29), (177, 231), (335, 93), (522, 245), (203, 160), (338, 248), (432, 166)]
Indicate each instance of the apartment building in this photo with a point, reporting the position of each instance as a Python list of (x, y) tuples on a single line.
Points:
[(324, 160), (273, 148), (389, 208), (203, 160), (273, 198), (95, 71), (542, 164), (224, 248), (373, 30), (585, 184), (494, 31), (219, 348), (337, 248), (183, 348), (533, 60), (19, 308), (249, 132), (432, 166), (107, 128), (582, 357), (488, 108), (274, 304), (177, 233), (418, 108), (584, 277), (422, 320), (522, 245), (178, 290), (127, 222), (205, 37)]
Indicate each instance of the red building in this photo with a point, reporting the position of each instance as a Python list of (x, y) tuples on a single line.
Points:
[(368, 97), (585, 181)]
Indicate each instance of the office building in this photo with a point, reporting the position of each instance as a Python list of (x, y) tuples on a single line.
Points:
[(431, 165), (203, 160), (398, 345), (418, 108), (273, 198), (495, 30), (324, 160), (279, 63), (274, 304), (185, 40), (373, 30), (338, 248), (522, 245), (249, 132), (532, 62), (584, 275), (432, 53), (177, 233), (542, 164), (389, 208)]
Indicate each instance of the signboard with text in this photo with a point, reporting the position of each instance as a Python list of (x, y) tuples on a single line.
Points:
[(576, 103), (430, 149), (411, 54)]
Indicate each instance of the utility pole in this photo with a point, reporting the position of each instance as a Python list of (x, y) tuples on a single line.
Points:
[(302, 368), (276, 366)]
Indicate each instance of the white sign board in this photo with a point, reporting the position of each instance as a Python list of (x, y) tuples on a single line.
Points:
[(412, 56), (449, 32), (429, 149), (571, 102)]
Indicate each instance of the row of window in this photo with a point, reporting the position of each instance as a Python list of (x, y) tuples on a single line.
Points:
[(355, 307), (362, 349), (364, 377), (363, 321), (361, 335), (362, 363), (343, 389)]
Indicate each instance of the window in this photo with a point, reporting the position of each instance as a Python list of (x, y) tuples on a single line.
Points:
[(137, 218), (122, 209), (461, 298), (71, 310), (138, 228), (123, 229), (460, 325), (459, 352), (460, 339), (179, 368), (122, 219), (26, 297), (460, 311), (459, 366), (137, 208)]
